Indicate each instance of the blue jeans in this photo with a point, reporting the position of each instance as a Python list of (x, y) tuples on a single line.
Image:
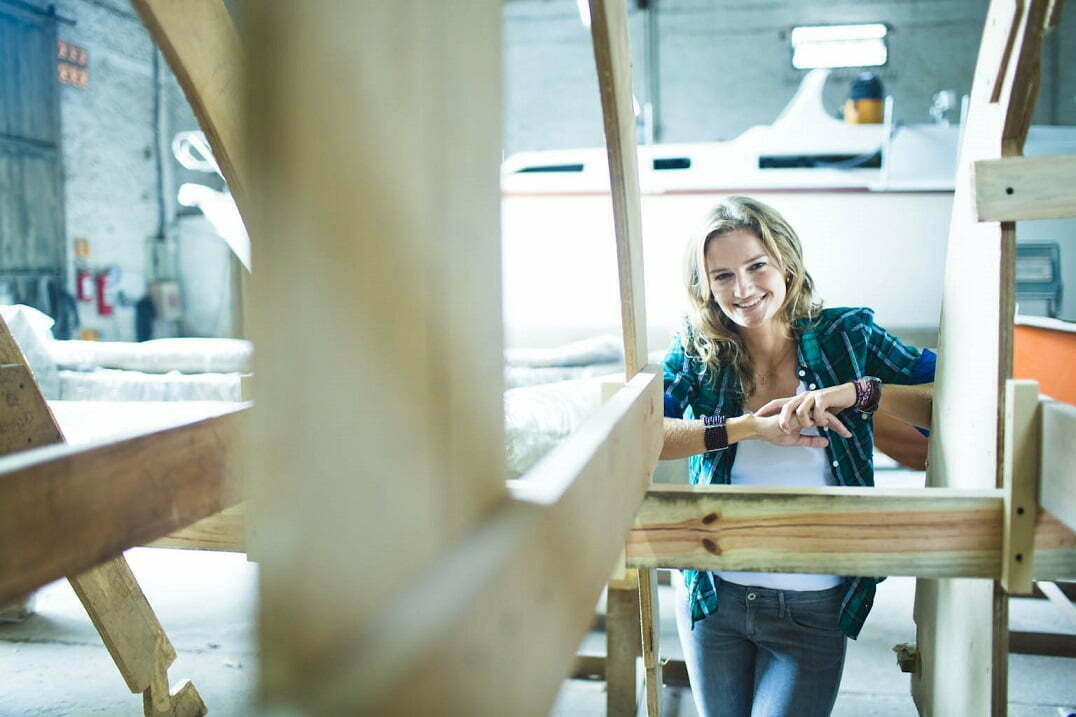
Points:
[(764, 653)]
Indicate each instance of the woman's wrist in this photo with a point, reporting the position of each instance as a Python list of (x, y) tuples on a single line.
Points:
[(742, 428)]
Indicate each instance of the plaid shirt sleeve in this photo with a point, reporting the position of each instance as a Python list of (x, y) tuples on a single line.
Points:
[(681, 384), (887, 357)]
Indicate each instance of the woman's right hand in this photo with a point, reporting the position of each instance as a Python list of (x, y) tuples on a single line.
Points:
[(767, 428)]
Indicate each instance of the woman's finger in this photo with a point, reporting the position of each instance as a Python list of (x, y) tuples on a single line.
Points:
[(772, 408), (834, 424), (820, 413), (788, 415)]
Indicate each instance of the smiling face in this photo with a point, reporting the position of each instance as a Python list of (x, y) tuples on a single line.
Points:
[(746, 282)]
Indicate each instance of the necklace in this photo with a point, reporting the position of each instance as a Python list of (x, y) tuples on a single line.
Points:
[(771, 373)]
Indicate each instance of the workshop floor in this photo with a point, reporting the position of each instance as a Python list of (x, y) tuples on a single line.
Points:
[(54, 663)]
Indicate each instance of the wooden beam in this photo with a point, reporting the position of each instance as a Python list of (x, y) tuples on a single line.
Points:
[(842, 531), (200, 43), (1018, 188), (66, 509), (612, 56), (1057, 487), (1021, 484), (225, 531), (1059, 600), (513, 598), (1042, 643)]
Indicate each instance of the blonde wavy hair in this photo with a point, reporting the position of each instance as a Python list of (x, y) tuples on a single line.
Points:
[(714, 338)]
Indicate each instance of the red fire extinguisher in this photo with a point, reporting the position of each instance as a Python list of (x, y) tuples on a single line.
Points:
[(84, 285), (104, 308)]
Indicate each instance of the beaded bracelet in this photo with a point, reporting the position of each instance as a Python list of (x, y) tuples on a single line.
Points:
[(868, 394), (714, 434)]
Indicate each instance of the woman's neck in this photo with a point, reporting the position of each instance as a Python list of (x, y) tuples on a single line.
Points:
[(768, 344)]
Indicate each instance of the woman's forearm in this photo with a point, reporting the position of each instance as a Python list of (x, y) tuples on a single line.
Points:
[(685, 438), (912, 404)]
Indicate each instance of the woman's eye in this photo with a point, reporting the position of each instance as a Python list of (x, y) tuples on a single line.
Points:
[(757, 265), (722, 277)]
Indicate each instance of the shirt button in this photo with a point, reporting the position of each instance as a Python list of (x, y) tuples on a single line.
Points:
[(835, 464), (802, 372), (864, 416), (811, 386), (751, 596)]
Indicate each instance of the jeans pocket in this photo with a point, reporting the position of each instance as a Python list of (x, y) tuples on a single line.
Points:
[(816, 619)]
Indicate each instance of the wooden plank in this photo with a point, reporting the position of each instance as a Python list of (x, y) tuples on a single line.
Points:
[(623, 649), (835, 530), (377, 435), (225, 531), (515, 597), (1021, 484), (1042, 643), (962, 662), (1018, 188), (612, 55), (1057, 487), (201, 44), (1059, 600), (67, 509)]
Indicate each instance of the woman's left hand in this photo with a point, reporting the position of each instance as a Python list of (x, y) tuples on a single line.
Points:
[(809, 408)]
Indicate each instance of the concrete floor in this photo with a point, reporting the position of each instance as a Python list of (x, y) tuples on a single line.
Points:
[(54, 662)]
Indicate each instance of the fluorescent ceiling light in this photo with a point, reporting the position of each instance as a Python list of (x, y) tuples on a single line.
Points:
[(839, 46)]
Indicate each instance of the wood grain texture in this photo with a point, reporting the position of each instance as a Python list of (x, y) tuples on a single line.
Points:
[(961, 660), (841, 531), (513, 598), (612, 55), (225, 531), (377, 436), (1057, 491), (66, 509), (1018, 188), (1021, 484), (201, 44)]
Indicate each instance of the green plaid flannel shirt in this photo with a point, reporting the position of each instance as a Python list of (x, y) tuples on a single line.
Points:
[(839, 345)]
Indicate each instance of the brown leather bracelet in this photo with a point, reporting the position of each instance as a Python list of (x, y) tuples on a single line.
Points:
[(868, 394), (714, 434)]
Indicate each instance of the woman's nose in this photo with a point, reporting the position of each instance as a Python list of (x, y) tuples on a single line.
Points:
[(743, 286)]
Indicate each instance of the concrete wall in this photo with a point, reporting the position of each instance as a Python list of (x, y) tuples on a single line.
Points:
[(723, 66)]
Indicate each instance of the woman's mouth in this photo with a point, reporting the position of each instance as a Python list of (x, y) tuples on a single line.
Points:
[(751, 303)]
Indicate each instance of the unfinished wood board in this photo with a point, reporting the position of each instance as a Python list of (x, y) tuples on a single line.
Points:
[(513, 598), (836, 530), (1057, 488), (622, 649), (961, 662), (1018, 188), (200, 43), (225, 531), (66, 509), (378, 440), (1021, 484), (612, 55)]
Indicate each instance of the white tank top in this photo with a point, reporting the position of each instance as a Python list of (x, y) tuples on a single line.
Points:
[(760, 463)]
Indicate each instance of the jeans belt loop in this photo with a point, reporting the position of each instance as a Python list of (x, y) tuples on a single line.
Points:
[(782, 609)]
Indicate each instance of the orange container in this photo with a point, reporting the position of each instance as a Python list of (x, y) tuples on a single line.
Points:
[(1045, 350)]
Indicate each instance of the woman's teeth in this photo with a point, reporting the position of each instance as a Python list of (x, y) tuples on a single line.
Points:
[(751, 305)]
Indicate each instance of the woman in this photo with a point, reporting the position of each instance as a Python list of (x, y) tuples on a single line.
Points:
[(773, 390)]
